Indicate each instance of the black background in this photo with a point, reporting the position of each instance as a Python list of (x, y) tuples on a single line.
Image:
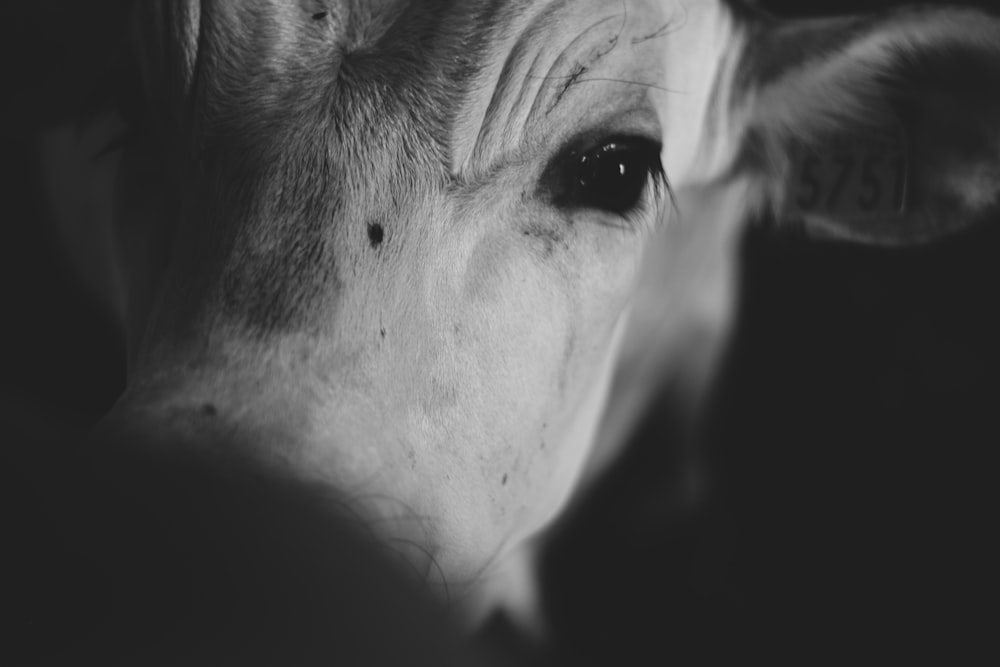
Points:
[(851, 441)]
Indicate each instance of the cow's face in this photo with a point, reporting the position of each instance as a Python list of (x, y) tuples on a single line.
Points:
[(404, 241), (390, 247)]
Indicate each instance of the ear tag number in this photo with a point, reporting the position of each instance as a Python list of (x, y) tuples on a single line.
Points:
[(855, 176)]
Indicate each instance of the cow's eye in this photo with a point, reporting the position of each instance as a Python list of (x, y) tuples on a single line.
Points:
[(616, 176)]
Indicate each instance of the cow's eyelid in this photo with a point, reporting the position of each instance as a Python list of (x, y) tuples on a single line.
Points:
[(618, 175)]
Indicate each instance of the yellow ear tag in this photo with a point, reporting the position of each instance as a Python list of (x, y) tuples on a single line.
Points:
[(852, 175)]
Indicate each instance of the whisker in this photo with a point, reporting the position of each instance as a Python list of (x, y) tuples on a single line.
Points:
[(430, 559), (666, 29), (634, 83)]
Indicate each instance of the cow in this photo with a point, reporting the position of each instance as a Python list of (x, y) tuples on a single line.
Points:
[(426, 262)]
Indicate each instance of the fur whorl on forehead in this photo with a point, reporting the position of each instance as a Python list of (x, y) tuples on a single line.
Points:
[(284, 131), (222, 67)]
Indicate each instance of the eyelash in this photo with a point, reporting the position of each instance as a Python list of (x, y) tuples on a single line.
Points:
[(620, 175)]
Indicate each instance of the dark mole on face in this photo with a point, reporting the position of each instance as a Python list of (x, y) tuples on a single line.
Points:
[(375, 234), (319, 15)]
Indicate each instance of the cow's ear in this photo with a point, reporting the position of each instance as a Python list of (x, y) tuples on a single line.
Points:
[(882, 129)]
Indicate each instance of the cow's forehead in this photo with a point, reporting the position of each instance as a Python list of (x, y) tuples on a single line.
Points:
[(429, 79), (549, 67), (302, 134), (493, 73), (486, 79)]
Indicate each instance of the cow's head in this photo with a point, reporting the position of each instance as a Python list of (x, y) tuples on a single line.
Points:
[(392, 247)]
